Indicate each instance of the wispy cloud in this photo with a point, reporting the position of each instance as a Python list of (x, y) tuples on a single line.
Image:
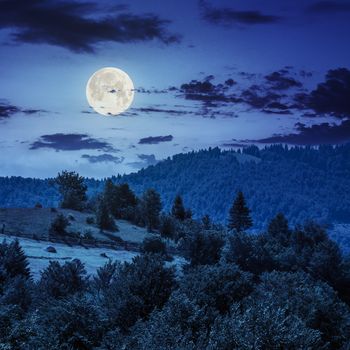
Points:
[(328, 7), (229, 16), (150, 140), (78, 26), (70, 142), (103, 158), (324, 133)]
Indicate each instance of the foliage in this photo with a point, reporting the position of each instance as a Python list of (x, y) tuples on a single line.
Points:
[(282, 289), (202, 247), (167, 227), (13, 261), (178, 210), (59, 281), (150, 209), (59, 225), (66, 324), (72, 189), (104, 220), (301, 182), (135, 289), (239, 219), (153, 245), (120, 199)]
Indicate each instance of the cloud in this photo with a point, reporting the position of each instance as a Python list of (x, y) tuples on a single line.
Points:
[(146, 160), (7, 110), (328, 7), (229, 16), (280, 81), (155, 139), (333, 95), (142, 90), (33, 111), (78, 26), (149, 159), (70, 142), (324, 133), (103, 158), (206, 91), (161, 110)]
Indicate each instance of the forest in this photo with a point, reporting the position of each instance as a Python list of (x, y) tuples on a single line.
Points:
[(302, 182), (284, 288)]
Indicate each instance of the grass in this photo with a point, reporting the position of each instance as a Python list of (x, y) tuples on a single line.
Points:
[(35, 223)]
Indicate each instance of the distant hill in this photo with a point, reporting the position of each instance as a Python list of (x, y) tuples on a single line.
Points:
[(303, 183)]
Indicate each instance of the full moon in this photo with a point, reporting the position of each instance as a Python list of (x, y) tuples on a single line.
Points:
[(110, 91)]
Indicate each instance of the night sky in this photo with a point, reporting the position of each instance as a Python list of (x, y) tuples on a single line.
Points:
[(206, 74)]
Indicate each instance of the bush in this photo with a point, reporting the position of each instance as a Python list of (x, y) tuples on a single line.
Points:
[(72, 323), (59, 281), (167, 226), (153, 245), (90, 220), (59, 225), (203, 248)]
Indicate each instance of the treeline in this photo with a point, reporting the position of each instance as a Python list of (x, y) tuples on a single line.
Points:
[(286, 288), (302, 182)]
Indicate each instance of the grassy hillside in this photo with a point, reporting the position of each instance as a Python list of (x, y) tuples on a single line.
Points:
[(35, 223)]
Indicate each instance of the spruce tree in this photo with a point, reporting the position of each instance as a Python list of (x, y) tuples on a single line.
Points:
[(206, 222), (239, 217), (13, 261), (110, 196), (178, 210), (103, 218), (151, 207), (279, 229)]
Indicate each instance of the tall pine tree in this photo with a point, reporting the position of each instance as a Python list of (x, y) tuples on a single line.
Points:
[(104, 220), (151, 206), (178, 210), (239, 216)]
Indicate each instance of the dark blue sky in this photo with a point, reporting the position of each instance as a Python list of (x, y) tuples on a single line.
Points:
[(207, 73)]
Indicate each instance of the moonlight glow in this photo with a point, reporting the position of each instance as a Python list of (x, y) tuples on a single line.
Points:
[(110, 91)]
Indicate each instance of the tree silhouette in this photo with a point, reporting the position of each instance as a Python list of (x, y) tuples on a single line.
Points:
[(239, 216), (72, 189), (178, 210)]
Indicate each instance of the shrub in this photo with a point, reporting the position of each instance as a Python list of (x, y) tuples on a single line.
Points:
[(59, 281), (90, 220), (153, 245), (59, 225)]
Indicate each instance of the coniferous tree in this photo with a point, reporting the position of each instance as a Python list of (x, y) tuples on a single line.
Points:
[(104, 220), (206, 222), (279, 229), (110, 196), (151, 207), (178, 210), (13, 261), (239, 218), (167, 227), (72, 189)]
